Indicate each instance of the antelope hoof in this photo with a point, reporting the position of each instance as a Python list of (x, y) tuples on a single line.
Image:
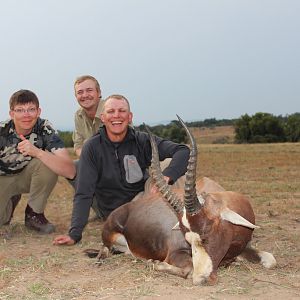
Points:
[(212, 279)]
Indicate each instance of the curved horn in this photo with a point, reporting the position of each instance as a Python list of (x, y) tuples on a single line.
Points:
[(191, 202), (157, 176)]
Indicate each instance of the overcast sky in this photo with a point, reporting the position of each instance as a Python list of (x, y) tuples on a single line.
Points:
[(199, 59)]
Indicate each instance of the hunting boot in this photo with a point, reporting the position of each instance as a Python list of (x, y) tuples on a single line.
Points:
[(14, 201), (37, 221)]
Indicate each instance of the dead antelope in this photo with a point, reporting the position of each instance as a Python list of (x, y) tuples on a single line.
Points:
[(215, 225)]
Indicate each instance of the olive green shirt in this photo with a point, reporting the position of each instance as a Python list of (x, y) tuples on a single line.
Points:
[(85, 127)]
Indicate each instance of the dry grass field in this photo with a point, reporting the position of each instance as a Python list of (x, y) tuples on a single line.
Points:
[(32, 268), (214, 135)]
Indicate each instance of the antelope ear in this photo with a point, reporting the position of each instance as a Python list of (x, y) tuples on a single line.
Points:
[(234, 218)]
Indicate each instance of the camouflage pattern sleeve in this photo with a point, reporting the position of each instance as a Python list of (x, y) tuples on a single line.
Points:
[(11, 160), (51, 139)]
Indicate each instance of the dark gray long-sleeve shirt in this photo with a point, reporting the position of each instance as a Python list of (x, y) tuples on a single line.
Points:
[(103, 171)]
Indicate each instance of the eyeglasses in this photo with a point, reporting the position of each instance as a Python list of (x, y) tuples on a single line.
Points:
[(22, 111)]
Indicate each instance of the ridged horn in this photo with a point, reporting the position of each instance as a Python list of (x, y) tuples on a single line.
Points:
[(157, 176), (191, 202)]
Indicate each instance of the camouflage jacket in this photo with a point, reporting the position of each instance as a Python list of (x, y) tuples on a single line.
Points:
[(43, 136)]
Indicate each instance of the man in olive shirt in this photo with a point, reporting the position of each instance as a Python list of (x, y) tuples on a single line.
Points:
[(87, 117), (87, 120)]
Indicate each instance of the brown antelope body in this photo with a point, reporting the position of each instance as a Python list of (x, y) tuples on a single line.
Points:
[(215, 226)]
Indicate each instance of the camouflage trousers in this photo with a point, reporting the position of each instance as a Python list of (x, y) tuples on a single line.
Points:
[(36, 179)]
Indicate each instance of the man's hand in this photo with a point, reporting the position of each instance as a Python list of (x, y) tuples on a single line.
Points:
[(154, 188), (26, 148), (63, 240)]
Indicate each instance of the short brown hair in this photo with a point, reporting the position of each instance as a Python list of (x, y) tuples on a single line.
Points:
[(23, 97), (119, 97), (86, 77)]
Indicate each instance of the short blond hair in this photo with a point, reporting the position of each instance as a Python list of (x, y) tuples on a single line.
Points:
[(86, 77), (119, 97)]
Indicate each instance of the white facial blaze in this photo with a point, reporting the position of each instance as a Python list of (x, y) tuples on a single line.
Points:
[(202, 263)]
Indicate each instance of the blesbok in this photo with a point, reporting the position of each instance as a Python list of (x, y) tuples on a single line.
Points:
[(190, 232)]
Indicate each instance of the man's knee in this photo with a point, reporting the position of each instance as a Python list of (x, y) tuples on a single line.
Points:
[(47, 174), (40, 173)]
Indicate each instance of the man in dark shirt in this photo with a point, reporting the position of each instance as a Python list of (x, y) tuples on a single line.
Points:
[(31, 157), (113, 166)]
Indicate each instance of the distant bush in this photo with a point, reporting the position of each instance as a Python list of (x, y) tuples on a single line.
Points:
[(173, 131), (66, 136), (292, 128), (267, 128)]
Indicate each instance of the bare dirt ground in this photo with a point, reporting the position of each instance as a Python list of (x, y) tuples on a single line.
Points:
[(32, 268)]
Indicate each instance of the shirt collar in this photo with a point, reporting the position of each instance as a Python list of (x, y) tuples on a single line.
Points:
[(98, 112)]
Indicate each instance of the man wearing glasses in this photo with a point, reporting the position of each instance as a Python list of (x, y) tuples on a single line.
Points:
[(31, 157)]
